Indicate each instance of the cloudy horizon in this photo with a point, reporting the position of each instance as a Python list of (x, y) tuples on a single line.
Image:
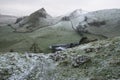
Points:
[(54, 7)]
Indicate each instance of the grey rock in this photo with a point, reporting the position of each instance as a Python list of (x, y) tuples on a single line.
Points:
[(80, 60)]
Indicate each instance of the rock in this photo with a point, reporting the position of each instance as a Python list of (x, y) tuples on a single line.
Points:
[(80, 60), (58, 57), (89, 50)]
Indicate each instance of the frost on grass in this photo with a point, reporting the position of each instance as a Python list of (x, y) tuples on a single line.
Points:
[(14, 66), (98, 60)]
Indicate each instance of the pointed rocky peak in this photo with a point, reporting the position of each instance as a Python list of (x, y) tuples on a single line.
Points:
[(40, 13), (77, 13), (42, 10)]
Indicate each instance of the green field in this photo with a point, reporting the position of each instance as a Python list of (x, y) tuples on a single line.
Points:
[(43, 37)]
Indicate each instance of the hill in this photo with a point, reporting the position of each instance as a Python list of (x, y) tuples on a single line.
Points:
[(44, 37), (7, 19), (34, 21), (93, 61), (102, 22), (97, 27), (77, 13)]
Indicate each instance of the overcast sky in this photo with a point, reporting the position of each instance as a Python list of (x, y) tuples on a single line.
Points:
[(54, 7)]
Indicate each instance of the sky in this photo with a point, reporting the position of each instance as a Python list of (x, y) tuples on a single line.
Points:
[(54, 7)]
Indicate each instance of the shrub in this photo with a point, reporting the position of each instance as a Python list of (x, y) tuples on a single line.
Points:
[(35, 48)]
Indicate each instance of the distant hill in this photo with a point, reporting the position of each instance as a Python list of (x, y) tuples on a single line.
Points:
[(77, 13), (103, 22), (41, 19), (73, 15), (34, 21), (7, 19), (46, 30)]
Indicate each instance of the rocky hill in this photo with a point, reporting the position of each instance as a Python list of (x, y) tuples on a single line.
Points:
[(34, 21), (102, 22), (77, 13), (93, 61), (60, 31), (72, 15)]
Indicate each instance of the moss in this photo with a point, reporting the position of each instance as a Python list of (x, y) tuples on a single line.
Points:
[(35, 48)]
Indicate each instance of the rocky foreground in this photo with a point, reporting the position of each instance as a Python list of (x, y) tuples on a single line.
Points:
[(93, 61)]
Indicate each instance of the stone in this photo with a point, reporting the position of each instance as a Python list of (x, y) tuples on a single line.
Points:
[(80, 60)]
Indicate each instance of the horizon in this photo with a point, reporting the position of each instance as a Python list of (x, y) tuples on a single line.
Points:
[(53, 7)]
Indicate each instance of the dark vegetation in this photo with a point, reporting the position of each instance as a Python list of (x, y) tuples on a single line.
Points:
[(65, 18), (35, 48), (19, 19), (61, 47), (97, 23)]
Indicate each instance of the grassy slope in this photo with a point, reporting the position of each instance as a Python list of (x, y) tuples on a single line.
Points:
[(21, 42), (104, 63), (44, 37), (111, 18)]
